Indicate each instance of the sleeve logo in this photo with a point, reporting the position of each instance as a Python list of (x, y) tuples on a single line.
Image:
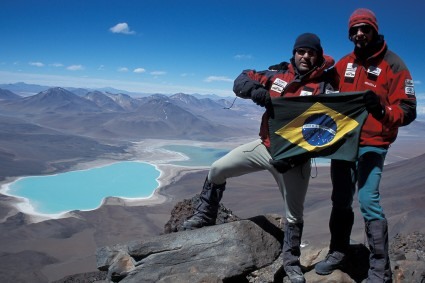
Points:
[(409, 87)]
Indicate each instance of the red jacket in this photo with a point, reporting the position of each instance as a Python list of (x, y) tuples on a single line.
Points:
[(284, 83), (387, 75)]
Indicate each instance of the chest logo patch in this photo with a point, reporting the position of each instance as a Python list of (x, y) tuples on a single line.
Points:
[(374, 71), (350, 71), (278, 85)]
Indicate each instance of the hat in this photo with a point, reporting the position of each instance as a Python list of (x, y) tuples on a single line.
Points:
[(309, 40), (363, 16)]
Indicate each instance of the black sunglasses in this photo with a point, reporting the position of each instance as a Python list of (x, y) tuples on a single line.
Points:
[(363, 29), (309, 52)]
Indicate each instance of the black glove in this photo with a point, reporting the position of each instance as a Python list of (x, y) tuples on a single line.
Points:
[(281, 66), (373, 105), (260, 96), (282, 165)]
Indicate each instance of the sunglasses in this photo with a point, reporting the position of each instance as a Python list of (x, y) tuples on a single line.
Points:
[(309, 52), (363, 29)]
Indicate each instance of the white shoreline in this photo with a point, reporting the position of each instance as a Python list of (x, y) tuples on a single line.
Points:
[(147, 151)]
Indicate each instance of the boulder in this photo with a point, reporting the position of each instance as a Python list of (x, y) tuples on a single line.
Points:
[(210, 254)]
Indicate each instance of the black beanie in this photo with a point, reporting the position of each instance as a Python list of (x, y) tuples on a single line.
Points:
[(308, 40)]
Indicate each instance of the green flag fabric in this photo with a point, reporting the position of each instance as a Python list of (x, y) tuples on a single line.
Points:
[(326, 125)]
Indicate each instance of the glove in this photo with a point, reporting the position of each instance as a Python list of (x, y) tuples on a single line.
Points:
[(260, 96), (373, 105), (282, 165), (283, 66)]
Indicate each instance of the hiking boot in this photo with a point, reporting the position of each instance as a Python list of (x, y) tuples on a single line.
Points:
[(334, 260), (291, 252), (197, 221), (294, 273), (379, 261), (207, 209)]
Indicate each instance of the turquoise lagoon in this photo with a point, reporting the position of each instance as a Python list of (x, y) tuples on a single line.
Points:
[(85, 189), (197, 156)]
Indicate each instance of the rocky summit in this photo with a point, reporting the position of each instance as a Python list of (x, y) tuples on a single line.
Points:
[(237, 250)]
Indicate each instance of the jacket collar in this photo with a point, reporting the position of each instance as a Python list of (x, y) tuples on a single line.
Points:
[(376, 50)]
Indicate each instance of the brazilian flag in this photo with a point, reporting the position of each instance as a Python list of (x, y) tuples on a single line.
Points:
[(325, 125)]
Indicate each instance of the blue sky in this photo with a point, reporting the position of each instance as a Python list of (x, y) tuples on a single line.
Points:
[(193, 46)]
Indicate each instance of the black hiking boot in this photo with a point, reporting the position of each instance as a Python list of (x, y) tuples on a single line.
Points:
[(379, 262), (334, 260), (291, 252), (340, 224), (206, 212)]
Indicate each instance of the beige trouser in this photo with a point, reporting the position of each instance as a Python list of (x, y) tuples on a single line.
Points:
[(253, 157)]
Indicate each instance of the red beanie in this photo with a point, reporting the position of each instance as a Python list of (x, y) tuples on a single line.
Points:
[(363, 16)]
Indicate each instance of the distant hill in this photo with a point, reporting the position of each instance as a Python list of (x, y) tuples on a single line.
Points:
[(8, 95), (29, 149), (54, 100), (103, 101), (25, 89)]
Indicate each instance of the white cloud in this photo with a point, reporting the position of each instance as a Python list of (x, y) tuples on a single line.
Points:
[(75, 68), (121, 28), (122, 69), (243, 57), (101, 68), (56, 65), (217, 79), (139, 70), (36, 64), (158, 73), (417, 82)]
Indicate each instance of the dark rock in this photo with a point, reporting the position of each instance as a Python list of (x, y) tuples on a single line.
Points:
[(220, 253), (89, 277), (407, 253)]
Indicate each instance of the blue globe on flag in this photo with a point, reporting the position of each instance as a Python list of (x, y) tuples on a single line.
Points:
[(319, 129)]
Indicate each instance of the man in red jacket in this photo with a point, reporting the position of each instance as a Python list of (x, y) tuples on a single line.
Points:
[(305, 75), (391, 103)]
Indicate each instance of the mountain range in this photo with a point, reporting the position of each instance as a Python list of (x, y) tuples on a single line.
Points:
[(121, 117), (40, 128)]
